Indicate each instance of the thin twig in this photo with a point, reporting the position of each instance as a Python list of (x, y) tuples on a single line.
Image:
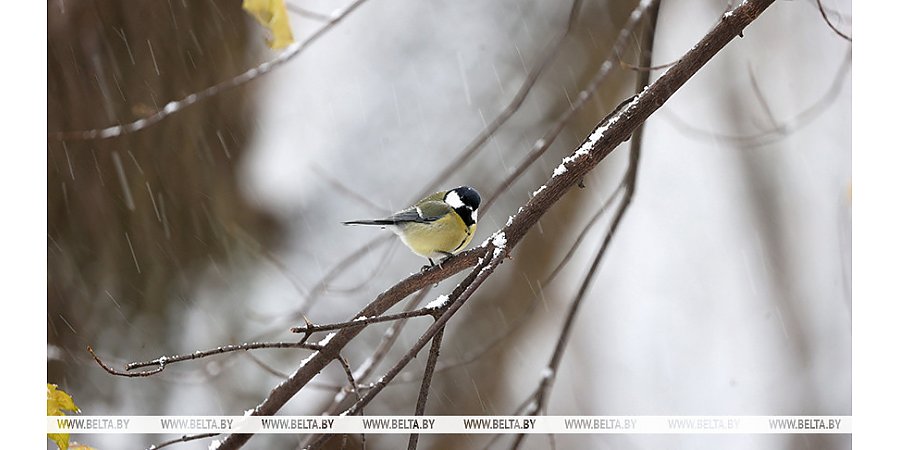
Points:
[(635, 68), (281, 375), (831, 25), (341, 187), (182, 439), (366, 280), (256, 247), (307, 13), (364, 371), (349, 372), (178, 105), (164, 361), (110, 370), (582, 234), (757, 91), (322, 285), (784, 128), (426, 382), (362, 320), (262, 365)]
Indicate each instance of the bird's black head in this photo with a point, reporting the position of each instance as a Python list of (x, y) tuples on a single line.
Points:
[(465, 201)]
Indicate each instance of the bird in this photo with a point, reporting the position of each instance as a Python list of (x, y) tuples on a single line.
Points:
[(440, 225)]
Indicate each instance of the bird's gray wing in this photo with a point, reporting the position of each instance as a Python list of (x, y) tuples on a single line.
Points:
[(423, 213)]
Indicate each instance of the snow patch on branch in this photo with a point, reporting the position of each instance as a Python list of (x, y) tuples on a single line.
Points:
[(308, 358), (499, 242), (438, 303), (596, 135), (327, 339)]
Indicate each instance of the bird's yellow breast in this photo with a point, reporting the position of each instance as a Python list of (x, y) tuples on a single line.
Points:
[(449, 234)]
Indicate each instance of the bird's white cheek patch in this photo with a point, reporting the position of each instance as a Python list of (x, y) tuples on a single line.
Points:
[(475, 216), (452, 199)]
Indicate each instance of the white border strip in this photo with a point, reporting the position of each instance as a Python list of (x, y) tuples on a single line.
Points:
[(450, 424)]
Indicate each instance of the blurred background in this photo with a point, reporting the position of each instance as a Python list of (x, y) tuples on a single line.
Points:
[(726, 289)]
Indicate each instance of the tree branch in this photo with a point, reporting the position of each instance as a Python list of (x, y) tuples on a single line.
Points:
[(782, 128), (828, 21), (362, 320), (163, 361), (177, 105), (182, 439), (426, 382)]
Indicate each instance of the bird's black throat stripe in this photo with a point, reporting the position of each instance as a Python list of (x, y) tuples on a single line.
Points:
[(465, 213), (463, 241)]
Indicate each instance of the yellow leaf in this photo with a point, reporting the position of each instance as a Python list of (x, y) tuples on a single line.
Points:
[(61, 440), (58, 402), (273, 15)]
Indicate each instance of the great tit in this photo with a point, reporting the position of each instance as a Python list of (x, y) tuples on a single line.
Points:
[(441, 224)]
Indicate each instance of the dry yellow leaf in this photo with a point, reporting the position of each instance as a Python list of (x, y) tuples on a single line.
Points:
[(61, 440), (58, 403), (273, 15)]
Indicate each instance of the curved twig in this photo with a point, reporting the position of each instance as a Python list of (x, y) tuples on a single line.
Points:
[(182, 439), (831, 25), (363, 321), (768, 136), (177, 105), (426, 382), (164, 361)]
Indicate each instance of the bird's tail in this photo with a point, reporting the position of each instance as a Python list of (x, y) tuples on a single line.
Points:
[(378, 222)]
